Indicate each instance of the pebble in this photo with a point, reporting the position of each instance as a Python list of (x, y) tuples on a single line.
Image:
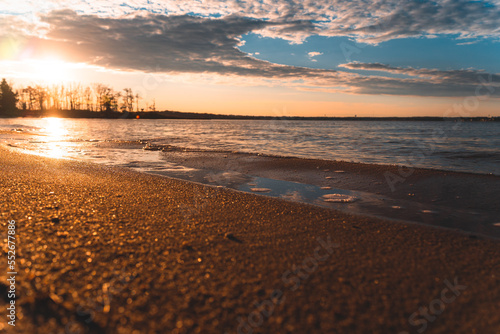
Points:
[(232, 237)]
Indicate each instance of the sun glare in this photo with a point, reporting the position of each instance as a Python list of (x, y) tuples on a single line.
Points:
[(51, 71), (54, 128), (55, 131)]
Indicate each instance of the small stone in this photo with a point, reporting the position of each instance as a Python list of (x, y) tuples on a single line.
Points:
[(55, 220), (187, 247), (232, 237)]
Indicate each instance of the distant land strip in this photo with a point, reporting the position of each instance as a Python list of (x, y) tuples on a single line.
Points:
[(190, 115)]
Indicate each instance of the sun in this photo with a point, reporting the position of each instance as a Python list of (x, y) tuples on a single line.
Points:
[(51, 71)]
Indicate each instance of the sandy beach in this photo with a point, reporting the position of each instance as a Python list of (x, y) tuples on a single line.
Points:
[(109, 250)]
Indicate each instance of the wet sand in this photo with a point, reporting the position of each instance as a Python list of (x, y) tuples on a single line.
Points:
[(108, 250), (453, 189), (454, 200)]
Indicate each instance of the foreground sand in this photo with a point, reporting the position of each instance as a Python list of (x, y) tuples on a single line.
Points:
[(106, 250)]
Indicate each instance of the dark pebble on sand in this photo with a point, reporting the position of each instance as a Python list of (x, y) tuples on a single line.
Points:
[(232, 237)]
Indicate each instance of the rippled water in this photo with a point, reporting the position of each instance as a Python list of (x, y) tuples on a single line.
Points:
[(459, 146)]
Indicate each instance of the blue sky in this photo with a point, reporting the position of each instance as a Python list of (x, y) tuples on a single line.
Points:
[(412, 57), (444, 52)]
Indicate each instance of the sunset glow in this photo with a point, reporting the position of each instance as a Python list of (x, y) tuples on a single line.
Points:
[(51, 71), (333, 59)]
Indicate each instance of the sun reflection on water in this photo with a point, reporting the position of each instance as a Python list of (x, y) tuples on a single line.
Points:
[(54, 127), (55, 131)]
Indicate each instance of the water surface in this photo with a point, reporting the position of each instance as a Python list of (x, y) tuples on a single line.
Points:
[(449, 145)]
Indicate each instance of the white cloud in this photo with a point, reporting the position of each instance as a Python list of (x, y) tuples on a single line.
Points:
[(313, 54)]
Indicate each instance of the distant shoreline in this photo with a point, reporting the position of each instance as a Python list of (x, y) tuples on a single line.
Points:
[(187, 115)]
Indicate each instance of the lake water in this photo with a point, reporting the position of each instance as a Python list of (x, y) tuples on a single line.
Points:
[(449, 145)]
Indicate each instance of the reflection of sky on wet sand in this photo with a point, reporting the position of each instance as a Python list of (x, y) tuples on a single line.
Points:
[(293, 195)]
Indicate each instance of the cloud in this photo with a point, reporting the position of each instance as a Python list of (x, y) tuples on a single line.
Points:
[(363, 20), (426, 82), (467, 19), (313, 54), (167, 44), (459, 76), (185, 44)]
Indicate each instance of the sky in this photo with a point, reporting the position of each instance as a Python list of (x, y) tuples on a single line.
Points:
[(266, 57)]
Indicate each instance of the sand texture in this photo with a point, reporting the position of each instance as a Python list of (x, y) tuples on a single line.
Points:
[(108, 250)]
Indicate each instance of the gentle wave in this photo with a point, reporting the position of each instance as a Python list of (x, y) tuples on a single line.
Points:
[(467, 146)]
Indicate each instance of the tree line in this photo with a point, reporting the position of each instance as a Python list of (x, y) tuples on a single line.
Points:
[(8, 98), (96, 97)]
